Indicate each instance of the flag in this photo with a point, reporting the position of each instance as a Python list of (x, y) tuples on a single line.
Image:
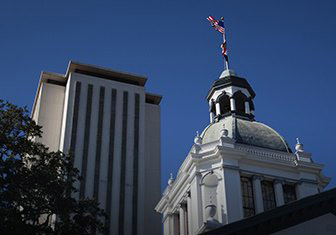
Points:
[(224, 51), (218, 25)]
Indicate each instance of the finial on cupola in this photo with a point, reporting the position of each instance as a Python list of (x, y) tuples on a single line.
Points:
[(298, 146), (224, 132), (198, 139), (171, 180)]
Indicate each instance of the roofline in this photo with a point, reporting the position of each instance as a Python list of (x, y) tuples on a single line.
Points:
[(44, 76), (214, 87), (106, 73), (153, 98), (97, 71)]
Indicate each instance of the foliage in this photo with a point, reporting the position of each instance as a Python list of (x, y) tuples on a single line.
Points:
[(36, 185)]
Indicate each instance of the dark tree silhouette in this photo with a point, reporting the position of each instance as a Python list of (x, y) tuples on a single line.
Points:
[(35, 187)]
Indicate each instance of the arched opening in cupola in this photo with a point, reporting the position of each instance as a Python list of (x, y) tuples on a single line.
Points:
[(240, 99), (251, 104), (224, 103)]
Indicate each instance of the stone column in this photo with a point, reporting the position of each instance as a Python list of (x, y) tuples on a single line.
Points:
[(218, 111), (247, 107), (258, 201), (279, 197), (232, 104), (166, 224), (182, 219), (189, 213), (196, 203), (171, 224)]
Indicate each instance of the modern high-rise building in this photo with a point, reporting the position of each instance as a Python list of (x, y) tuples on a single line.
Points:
[(112, 126), (242, 175)]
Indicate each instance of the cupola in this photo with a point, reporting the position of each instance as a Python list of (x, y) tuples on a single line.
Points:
[(230, 95)]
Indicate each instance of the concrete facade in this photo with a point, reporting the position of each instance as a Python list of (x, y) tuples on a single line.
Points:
[(112, 126)]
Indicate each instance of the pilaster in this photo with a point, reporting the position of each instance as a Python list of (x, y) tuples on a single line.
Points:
[(182, 212), (189, 213), (196, 203), (232, 188), (279, 197), (258, 201)]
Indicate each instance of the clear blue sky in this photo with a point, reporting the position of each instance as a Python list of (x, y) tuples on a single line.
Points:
[(286, 50)]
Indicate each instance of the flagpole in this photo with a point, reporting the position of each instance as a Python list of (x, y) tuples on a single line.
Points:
[(226, 62)]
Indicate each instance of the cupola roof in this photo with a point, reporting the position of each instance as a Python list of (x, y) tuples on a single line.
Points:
[(246, 132), (230, 78)]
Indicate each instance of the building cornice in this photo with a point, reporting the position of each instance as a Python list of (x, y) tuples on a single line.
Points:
[(95, 71), (101, 72)]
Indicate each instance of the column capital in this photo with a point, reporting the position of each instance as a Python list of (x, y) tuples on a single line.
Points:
[(186, 195), (257, 177), (279, 181), (197, 173)]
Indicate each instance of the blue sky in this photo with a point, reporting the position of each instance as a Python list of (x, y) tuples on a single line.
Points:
[(286, 50)]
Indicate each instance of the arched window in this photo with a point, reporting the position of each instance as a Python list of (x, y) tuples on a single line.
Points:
[(212, 107), (251, 104), (240, 99), (224, 103)]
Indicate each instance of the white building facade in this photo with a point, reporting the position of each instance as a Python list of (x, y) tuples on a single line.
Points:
[(237, 168), (112, 126)]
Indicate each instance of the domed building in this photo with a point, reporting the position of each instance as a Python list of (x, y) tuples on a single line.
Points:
[(237, 168)]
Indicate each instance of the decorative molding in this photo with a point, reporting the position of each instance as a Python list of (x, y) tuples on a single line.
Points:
[(231, 167), (269, 155), (309, 181), (268, 176)]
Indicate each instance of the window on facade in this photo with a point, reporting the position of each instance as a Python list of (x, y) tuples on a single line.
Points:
[(247, 196), (289, 193), (268, 195)]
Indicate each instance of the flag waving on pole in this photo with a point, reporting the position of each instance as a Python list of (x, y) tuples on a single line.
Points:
[(224, 51), (219, 26)]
